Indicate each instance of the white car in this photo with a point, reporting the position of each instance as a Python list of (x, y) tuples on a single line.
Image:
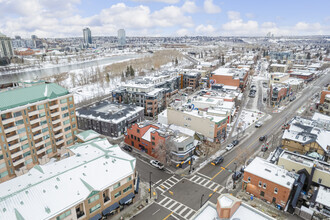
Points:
[(258, 124), (229, 147), (157, 164)]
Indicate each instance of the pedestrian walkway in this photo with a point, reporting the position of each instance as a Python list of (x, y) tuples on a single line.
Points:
[(167, 184), (215, 187), (177, 207)]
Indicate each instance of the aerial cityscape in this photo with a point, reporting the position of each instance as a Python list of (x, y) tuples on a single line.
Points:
[(164, 110)]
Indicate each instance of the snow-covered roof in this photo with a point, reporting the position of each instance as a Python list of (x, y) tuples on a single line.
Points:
[(48, 190), (183, 130), (88, 135), (147, 135), (323, 196), (318, 116), (270, 172)]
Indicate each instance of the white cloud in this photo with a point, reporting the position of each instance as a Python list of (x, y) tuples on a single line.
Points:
[(309, 27), (268, 25), (250, 15), (233, 15), (189, 7), (164, 1), (170, 16), (211, 8), (205, 29), (182, 32)]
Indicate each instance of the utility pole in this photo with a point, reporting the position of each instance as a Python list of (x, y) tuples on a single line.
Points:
[(190, 161), (202, 200), (150, 183)]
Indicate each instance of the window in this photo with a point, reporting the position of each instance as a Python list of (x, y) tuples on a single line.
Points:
[(118, 194), (180, 149), (138, 130), (66, 122), (65, 115), (138, 139), (116, 185), (71, 106), (262, 193), (153, 137), (127, 189), (47, 144), (44, 130), (93, 209), (265, 186), (27, 154), (41, 107), (275, 190), (65, 108), (94, 198), (68, 135), (70, 98), (259, 184), (3, 174), (63, 101), (131, 136), (73, 119), (153, 143), (64, 215), (25, 146), (72, 112), (67, 128), (22, 130), (74, 125), (42, 115), (2, 165), (46, 137), (49, 151), (23, 138), (69, 142), (43, 122), (249, 179), (20, 122), (28, 161), (129, 178), (17, 114)]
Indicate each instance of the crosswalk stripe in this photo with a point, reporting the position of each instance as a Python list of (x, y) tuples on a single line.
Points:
[(166, 185), (204, 181), (160, 189), (180, 205), (167, 202), (165, 198), (192, 178), (173, 183), (198, 178), (171, 206), (175, 179), (211, 185), (183, 210), (188, 214)]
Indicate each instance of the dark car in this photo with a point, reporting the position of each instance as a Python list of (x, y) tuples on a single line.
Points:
[(263, 138), (236, 175), (127, 148), (235, 142), (264, 148), (218, 160), (292, 98)]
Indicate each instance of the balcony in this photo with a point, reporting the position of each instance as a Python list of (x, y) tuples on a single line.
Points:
[(38, 136), (35, 112), (14, 137), (18, 162), (40, 143), (19, 153), (59, 142), (7, 120), (58, 135), (59, 127), (36, 129), (56, 121), (34, 121), (53, 106), (10, 129), (14, 146), (41, 150), (54, 114)]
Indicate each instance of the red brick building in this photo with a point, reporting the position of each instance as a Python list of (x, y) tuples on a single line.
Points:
[(323, 94), (268, 181), (230, 77), (279, 92)]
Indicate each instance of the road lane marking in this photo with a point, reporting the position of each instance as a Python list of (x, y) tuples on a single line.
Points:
[(156, 212), (156, 183), (207, 177), (168, 216), (247, 148)]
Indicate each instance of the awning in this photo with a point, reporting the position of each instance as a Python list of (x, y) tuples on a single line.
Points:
[(126, 199), (137, 185), (96, 217), (110, 208)]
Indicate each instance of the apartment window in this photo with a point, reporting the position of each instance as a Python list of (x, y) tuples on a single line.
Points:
[(40, 107), (275, 190), (138, 130), (25, 146), (265, 186), (153, 143), (94, 198), (28, 161), (129, 178), (44, 130), (73, 119), (66, 122), (47, 144), (249, 179), (262, 193), (20, 122), (70, 99), (259, 184), (67, 128), (74, 125), (116, 185), (42, 115), (64, 215), (27, 154), (71, 105), (1, 157), (65, 115), (69, 142), (23, 138), (2, 165), (20, 131), (49, 151), (131, 136), (3, 174), (72, 112), (94, 208), (153, 137), (43, 122), (138, 139), (118, 194), (68, 135), (180, 149), (17, 114), (127, 189), (63, 101), (46, 137)]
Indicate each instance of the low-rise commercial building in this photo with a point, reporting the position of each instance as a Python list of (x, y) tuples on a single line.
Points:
[(95, 181), (107, 118), (278, 68), (229, 77), (301, 74), (278, 93), (268, 181), (38, 121), (278, 77)]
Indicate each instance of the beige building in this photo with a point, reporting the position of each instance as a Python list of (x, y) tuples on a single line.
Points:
[(278, 68), (278, 77), (212, 127), (96, 180), (295, 162), (37, 122)]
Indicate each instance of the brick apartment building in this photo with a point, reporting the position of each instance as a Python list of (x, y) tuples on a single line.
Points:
[(278, 93), (268, 181), (190, 80), (303, 74), (148, 137), (229, 77), (37, 122)]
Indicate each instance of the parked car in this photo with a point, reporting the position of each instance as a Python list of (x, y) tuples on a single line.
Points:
[(292, 98), (236, 175), (229, 147), (127, 148), (258, 124), (218, 160), (157, 164), (263, 138), (235, 142)]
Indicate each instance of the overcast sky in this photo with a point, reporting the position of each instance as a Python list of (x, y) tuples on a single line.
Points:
[(64, 18)]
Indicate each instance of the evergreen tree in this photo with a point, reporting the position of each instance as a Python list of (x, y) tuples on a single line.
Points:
[(308, 56), (176, 61), (131, 70), (320, 58)]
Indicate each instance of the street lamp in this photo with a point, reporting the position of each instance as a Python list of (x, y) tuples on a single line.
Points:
[(150, 183), (202, 200)]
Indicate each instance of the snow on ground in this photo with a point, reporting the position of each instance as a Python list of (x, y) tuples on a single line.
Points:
[(247, 118)]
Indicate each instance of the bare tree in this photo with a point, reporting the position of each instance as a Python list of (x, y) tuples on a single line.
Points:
[(163, 151)]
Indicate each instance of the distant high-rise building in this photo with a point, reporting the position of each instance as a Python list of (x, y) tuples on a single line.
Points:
[(121, 37), (34, 37), (18, 37), (6, 47), (87, 36)]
